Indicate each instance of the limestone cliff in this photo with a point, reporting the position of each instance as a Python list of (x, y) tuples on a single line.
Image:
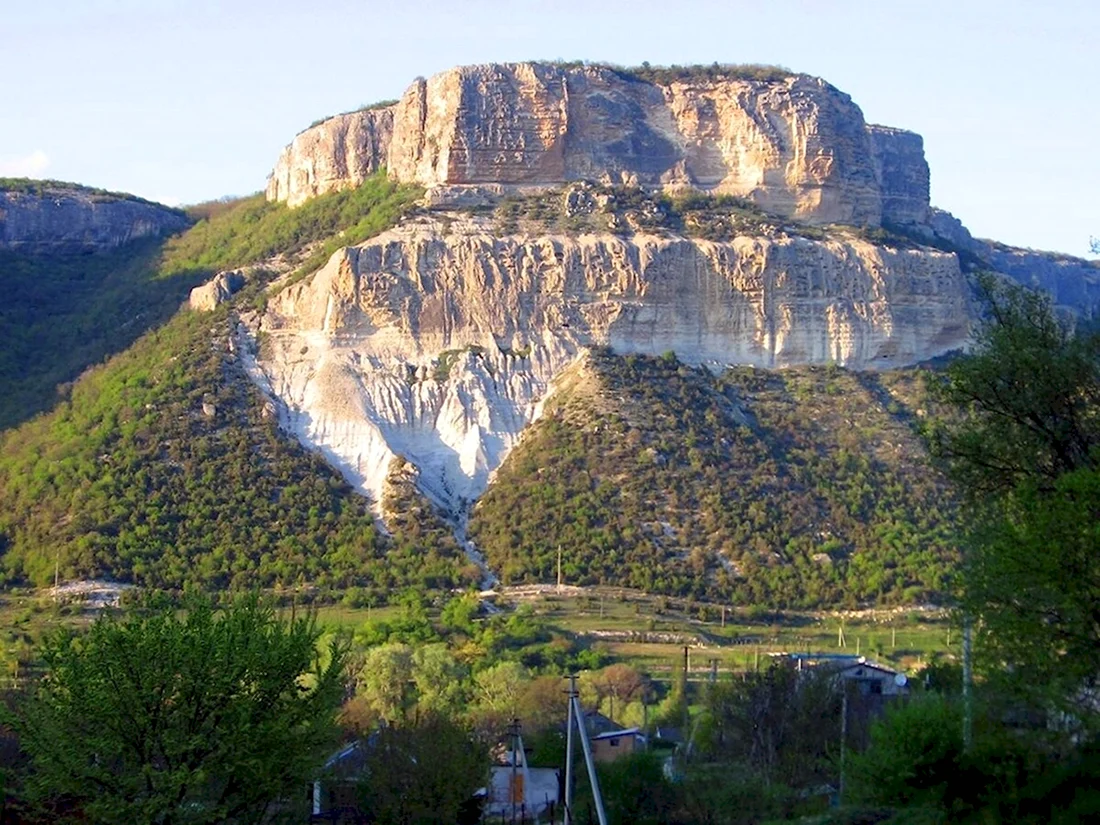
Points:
[(439, 343), (338, 153), (793, 144), (45, 216)]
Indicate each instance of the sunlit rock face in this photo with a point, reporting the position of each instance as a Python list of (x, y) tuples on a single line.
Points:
[(439, 341), (338, 153), (441, 345), (796, 146)]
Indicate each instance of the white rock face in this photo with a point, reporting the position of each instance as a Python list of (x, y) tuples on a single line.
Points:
[(440, 346), (217, 290), (793, 144)]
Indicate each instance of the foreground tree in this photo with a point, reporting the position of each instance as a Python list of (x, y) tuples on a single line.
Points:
[(1024, 439), (1029, 392), (213, 716), (779, 724), (424, 773)]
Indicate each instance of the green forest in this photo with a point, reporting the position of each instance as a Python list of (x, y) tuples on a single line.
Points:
[(798, 488)]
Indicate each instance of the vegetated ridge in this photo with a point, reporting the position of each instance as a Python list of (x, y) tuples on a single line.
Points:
[(798, 488)]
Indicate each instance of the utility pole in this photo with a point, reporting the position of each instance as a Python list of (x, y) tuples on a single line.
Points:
[(559, 568), (597, 797), (723, 616), (843, 739), (893, 638), (572, 692), (687, 664), (514, 729)]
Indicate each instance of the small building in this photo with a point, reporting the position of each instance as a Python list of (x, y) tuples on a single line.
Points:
[(871, 679), (334, 796), (534, 792), (607, 747)]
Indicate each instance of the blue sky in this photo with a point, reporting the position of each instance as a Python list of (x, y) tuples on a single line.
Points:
[(184, 100)]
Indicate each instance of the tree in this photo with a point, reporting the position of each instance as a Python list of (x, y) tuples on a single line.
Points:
[(622, 683), (207, 717), (427, 773), (1024, 439), (916, 760), (1029, 392), (781, 724), (385, 680), (500, 686), (439, 680), (635, 790)]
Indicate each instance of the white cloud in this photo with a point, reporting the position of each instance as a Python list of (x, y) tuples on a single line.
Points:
[(28, 166)]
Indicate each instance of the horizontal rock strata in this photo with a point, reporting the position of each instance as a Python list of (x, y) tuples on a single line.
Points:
[(440, 347), (794, 145)]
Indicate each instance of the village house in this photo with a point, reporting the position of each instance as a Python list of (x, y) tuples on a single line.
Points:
[(609, 746)]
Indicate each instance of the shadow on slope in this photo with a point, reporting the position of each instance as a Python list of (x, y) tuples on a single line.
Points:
[(65, 312)]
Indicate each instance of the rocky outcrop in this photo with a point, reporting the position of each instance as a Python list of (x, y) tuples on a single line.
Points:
[(902, 174), (441, 346), (42, 216), (1073, 283), (337, 153), (794, 145), (217, 290)]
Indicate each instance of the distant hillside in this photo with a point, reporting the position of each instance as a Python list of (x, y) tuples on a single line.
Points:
[(65, 310), (166, 468), (795, 488), (52, 216)]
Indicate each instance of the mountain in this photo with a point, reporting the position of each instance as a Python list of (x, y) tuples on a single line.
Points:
[(661, 319), (440, 344), (729, 215)]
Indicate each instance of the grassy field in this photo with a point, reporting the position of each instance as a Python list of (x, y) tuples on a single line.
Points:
[(648, 632)]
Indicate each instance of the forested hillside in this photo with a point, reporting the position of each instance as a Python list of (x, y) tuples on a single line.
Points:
[(165, 466), (794, 488)]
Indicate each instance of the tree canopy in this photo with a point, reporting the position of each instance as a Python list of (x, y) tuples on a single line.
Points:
[(156, 717), (1024, 440)]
